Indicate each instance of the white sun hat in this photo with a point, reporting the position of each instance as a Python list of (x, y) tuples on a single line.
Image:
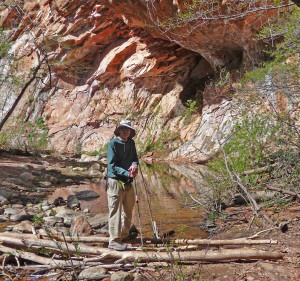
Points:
[(125, 123)]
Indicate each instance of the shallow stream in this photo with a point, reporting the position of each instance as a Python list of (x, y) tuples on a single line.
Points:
[(165, 186)]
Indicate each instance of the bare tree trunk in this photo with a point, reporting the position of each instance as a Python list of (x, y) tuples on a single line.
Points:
[(11, 110)]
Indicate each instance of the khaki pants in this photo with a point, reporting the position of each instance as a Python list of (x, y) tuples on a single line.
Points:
[(120, 205)]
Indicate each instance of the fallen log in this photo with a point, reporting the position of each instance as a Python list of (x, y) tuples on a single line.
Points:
[(32, 257), (133, 256), (63, 246), (204, 255), (284, 191), (199, 242)]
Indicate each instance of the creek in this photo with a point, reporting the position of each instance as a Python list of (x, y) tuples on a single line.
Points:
[(165, 187)]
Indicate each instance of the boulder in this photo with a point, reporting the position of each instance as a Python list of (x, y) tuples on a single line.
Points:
[(121, 276), (140, 277), (21, 216), (72, 201), (39, 168), (10, 211), (15, 181), (27, 177), (52, 221), (86, 195), (6, 194), (50, 178), (95, 173), (27, 167), (3, 201), (95, 166), (45, 184), (18, 206), (69, 181), (67, 214), (45, 163), (46, 208), (81, 226), (93, 273), (100, 221), (3, 218), (55, 201), (88, 158), (23, 227)]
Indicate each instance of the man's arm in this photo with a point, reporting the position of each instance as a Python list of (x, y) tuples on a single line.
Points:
[(134, 166)]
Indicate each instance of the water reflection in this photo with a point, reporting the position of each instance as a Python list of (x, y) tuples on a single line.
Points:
[(164, 186)]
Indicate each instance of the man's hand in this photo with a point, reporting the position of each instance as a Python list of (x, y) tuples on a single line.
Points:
[(133, 171)]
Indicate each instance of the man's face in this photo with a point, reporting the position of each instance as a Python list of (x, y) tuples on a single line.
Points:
[(124, 133)]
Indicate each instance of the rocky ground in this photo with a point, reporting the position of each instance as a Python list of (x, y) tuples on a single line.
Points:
[(27, 180)]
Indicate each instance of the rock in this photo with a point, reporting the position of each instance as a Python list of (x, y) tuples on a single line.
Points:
[(140, 277), (103, 161), (45, 184), (39, 168), (78, 169), (88, 158), (3, 218), (54, 201), (283, 226), (10, 211), (121, 276), (45, 163), (93, 273), (46, 208), (95, 166), (27, 177), (21, 216), (51, 178), (86, 195), (95, 173), (27, 168), (23, 227), (69, 181), (259, 196), (9, 227), (3, 201), (100, 221), (37, 162), (8, 195), (72, 201), (15, 181), (80, 226), (85, 211), (18, 206), (67, 214), (52, 221)]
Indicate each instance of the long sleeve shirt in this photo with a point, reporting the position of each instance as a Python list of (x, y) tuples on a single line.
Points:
[(120, 156)]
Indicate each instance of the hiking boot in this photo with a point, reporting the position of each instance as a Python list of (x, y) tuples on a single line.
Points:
[(131, 235), (117, 246)]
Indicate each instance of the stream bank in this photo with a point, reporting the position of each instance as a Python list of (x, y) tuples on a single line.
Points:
[(50, 175)]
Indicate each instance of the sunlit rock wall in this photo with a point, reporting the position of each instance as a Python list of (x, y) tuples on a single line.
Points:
[(109, 62)]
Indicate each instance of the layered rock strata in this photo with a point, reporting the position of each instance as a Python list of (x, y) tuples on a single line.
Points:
[(109, 60)]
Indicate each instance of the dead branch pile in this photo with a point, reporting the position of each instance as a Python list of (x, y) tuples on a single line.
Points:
[(57, 251)]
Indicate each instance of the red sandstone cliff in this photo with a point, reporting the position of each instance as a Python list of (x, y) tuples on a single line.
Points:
[(111, 60)]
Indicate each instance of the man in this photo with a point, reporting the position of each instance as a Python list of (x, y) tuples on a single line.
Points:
[(122, 167)]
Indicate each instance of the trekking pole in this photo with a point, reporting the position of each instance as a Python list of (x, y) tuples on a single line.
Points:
[(138, 210), (153, 223)]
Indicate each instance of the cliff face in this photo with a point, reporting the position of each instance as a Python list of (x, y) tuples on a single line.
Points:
[(109, 61)]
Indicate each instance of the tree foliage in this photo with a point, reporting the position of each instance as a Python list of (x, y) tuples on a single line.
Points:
[(263, 148)]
